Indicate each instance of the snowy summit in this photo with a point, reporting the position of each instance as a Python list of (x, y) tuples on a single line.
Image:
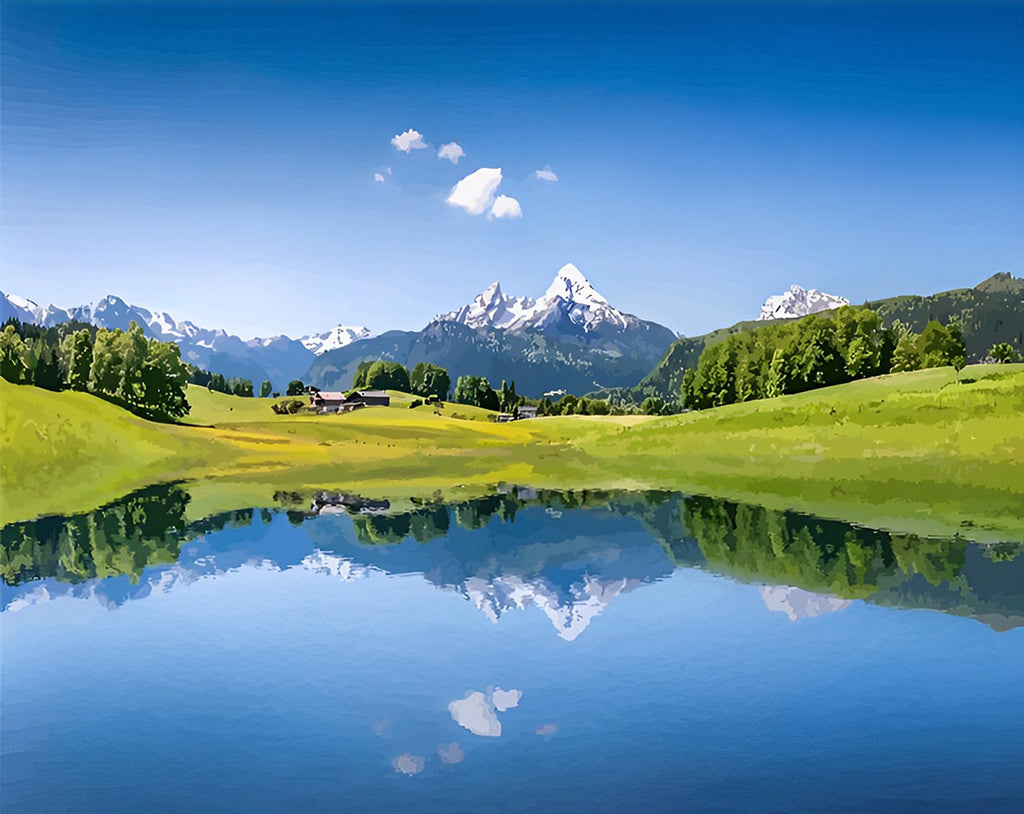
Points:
[(570, 296), (799, 302)]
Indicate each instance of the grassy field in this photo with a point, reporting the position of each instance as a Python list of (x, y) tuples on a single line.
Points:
[(915, 452)]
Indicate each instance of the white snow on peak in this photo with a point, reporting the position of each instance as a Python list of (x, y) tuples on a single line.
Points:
[(570, 616), (799, 302), (570, 285), (339, 337), (797, 603), (570, 295), (21, 302)]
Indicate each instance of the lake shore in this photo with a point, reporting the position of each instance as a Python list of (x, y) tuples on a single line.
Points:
[(917, 453)]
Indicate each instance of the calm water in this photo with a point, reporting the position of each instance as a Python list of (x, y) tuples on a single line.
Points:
[(526, 652)]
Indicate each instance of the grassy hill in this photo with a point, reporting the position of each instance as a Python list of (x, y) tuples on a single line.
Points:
[(915, 452), (991, 312)]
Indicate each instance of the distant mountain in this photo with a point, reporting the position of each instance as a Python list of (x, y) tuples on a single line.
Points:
[(332, 340), (991, 312), (571, 339), (570, 297), (278, 358), (799, 302)]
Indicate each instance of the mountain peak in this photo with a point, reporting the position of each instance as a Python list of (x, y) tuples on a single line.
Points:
[(570, 285), (1001, 282), (799, 302)]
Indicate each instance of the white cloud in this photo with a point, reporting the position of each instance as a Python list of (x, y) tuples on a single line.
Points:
[(409, 140), (452, 151), (408, 764), (380, 179), (505, 699), (477, 711), (506, 207), (545, 175), (475, 192), (450, 753)]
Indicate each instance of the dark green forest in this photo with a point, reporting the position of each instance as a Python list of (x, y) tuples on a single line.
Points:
[(143, 375)]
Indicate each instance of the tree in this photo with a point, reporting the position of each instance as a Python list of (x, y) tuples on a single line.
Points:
[(265, 389), (430, 380), (295, 388), (383, 375), (12, 350), (164, 381), (105, 373), (48, 373), (907, 355), (476, 391), (1003, 352), (133, 347), (359, 378), (652, 406), (77, 359)]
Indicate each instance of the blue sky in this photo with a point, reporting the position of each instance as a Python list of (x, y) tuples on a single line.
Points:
[(217, 160)]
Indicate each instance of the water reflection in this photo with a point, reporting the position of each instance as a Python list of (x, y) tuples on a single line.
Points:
[(567, 554)]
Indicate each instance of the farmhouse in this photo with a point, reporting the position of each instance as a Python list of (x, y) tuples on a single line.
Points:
[(526, 412), (337, 402)]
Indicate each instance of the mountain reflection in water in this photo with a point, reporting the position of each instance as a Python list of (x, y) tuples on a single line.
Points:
[(567, 554)]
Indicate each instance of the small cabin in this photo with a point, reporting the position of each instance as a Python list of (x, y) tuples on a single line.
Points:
[(324, 401), (526, 412), (369, 398), (336, 402)]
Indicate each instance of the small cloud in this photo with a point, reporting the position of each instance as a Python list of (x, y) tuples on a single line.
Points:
[(452, 151), (506, 207), (505, 699), (409, 140), (450, 753), (547, 729), (408, 764), (380, 179), (477, 711), (475, 192), (545, 174)]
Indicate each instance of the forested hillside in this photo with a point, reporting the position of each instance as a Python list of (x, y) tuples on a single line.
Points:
[(990, 313)]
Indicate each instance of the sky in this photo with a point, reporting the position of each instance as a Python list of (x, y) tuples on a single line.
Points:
[(250, 166)]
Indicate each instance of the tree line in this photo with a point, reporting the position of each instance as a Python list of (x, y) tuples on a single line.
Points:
[(145, 376), (816, 351), (233, 386), (424, 380)]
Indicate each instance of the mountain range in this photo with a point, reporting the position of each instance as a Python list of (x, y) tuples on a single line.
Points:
[(278, 358), (569, 339)]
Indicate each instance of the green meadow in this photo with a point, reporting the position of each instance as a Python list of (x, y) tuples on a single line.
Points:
[(916, 452)]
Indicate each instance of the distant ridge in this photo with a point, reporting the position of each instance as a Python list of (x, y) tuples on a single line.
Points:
[(991, 312)]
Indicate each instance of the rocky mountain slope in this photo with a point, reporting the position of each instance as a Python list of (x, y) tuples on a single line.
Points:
[(571, 338)]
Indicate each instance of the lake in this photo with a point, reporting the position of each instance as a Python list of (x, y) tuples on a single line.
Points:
[(521, 652)]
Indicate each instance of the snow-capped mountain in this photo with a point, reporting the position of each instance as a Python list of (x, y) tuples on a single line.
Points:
[(570, 612), (570, 297), (570, 338), (278, 358), (797, 603), (331, 340), (799, 302)]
